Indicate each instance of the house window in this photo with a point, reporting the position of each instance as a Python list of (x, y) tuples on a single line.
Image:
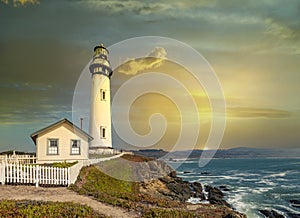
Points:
[(102, 132), (75, 146), (103, 95), (52, 146)]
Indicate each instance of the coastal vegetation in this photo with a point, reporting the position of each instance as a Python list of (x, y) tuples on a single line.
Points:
[(61, 164), (160, 197), (31, 209)]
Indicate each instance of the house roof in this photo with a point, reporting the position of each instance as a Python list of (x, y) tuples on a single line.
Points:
[(35, 134)]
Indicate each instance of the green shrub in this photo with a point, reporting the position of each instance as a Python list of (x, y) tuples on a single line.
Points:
[(63, 164)]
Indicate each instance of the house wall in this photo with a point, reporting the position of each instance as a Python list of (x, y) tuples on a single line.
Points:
[(64, 134)]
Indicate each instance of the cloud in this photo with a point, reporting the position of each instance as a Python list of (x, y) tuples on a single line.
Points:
[(152, 61), (278, 30), (132, 6), (37, 83), (17, 3), (281, 37), (243, 112), (32, 103)]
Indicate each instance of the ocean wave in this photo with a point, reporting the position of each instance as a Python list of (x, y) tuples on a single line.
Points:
[(291, 195), (207, 182), (288, 209), (281, 179), (227, 177), (240, 190), (265, 186), (267, 182), (196, 201), (239, 203), (260, 190), (291, 186), (189, 176), (246, 174), (208, 176), (283, 174), (248, 180)]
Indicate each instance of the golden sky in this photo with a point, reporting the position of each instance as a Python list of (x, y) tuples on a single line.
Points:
[(254, 49)]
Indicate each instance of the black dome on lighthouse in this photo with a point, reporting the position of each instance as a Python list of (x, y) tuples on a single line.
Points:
[(101, 45), (100, 63)]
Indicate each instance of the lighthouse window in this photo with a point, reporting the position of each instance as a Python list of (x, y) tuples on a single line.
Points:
[(103, 132), (103, 95), (75, 146), (52, 147)]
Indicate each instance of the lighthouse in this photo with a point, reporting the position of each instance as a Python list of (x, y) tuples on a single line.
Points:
[(100, 111)]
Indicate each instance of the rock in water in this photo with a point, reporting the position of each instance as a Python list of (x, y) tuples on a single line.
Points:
[(173, 174), (224, 188), (215, 196), (271, 214), (293, 215), (197, 190), (295, 203)]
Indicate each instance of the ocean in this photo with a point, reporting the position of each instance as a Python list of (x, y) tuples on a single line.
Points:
[(264, 183)]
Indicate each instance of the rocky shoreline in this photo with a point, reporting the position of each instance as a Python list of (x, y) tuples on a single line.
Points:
[(215, 196), (183, 190), (174, 188), (156, 192)]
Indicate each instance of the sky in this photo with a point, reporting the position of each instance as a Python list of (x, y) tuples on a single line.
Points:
[(253, 47)]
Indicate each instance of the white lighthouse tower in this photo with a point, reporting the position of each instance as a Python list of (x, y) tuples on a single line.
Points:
[(100, 113)]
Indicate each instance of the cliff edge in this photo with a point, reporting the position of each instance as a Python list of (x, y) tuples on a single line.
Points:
[(150, 188)]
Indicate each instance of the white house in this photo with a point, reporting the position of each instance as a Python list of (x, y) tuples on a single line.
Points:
[(61, 141)]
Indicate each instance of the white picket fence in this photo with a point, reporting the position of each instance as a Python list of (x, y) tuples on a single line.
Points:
[(37, 175), (18, 159), (13, 171)]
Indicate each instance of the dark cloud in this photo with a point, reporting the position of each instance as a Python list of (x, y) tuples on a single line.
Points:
[(38, 79)]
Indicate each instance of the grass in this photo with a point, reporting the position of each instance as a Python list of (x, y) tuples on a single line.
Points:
[(61, 164), (136, 158), (93, 182), (26, 208), (169, 213), (91, 156)]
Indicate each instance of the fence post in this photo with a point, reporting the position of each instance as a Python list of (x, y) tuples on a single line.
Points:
[(37, 176), (2, 172), (69, 176)]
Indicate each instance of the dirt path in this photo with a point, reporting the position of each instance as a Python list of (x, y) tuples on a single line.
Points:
[(61, 195)]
